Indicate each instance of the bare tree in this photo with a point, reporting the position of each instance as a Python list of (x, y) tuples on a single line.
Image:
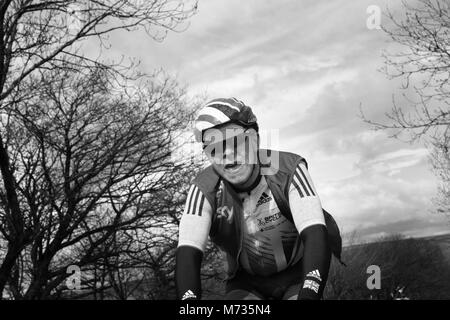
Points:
[(39, 36), (424, 65), (154, 249), (36, 34), (440, 159), (91, 164)]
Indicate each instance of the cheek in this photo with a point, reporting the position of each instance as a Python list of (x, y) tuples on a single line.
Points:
[(219, 168), (246, 173), (252, 151), (248, 170)]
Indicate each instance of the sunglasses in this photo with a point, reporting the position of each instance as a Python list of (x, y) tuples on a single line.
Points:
[(237, 142), (245, 126)]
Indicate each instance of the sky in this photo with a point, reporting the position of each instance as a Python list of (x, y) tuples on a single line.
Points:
[(306, 68)]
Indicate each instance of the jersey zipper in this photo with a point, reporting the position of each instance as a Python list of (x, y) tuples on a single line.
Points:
[(241, 239), (240, 249)]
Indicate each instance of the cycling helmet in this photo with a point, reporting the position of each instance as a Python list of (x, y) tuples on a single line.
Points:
[(219, 112)]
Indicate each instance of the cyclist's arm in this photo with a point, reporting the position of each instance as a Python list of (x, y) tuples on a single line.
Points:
[(193, 236), (309, 220)]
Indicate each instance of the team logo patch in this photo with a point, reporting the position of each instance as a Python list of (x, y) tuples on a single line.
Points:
[(314, 274), (312, 285), (188, 295), (263, 199), (272, 218)]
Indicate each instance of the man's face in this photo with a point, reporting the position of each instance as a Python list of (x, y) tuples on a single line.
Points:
[(232, 150)]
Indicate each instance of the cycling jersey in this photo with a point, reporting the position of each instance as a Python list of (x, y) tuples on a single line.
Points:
[(270, 241), (277, 238)]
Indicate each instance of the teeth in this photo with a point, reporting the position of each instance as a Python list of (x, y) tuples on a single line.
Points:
[(232, 166)]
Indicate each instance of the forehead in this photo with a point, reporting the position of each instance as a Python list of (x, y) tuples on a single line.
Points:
[(230, 126), (224, 132)]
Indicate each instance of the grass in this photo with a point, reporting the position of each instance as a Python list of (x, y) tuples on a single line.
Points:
[(417, 265)]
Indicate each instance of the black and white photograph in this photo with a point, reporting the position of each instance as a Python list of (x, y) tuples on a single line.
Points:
[(211, 150)]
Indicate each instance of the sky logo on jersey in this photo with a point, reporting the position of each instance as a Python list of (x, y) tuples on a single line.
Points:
[(263, 199), (225, 212)]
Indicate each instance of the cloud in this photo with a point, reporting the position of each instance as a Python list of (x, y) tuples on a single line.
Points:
[(371, 200), (306, 68), (409, 228)]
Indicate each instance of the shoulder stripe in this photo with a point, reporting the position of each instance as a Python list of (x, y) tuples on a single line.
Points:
[(189, 198), (301, 182), (306, 180), (192, 200), (297, 187), (200, 207), (195, 202)]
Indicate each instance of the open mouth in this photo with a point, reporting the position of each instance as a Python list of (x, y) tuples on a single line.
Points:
[(232, 166)]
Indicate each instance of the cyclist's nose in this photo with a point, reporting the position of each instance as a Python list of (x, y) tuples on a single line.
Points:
[(229, 154)]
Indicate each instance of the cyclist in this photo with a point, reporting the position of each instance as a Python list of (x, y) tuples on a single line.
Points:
[(260, 207)]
